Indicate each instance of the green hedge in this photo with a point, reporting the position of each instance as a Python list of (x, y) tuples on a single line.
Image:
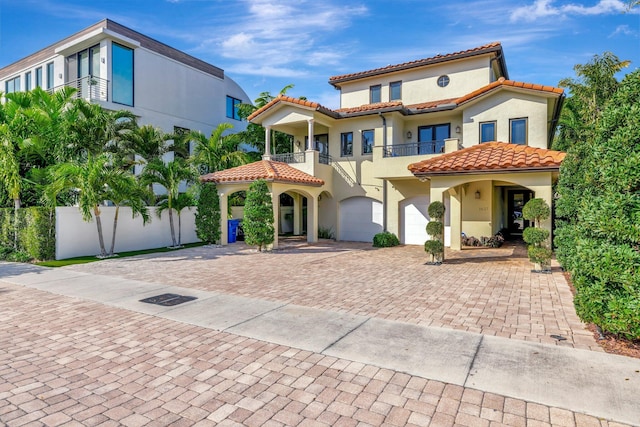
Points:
[(36, 231)]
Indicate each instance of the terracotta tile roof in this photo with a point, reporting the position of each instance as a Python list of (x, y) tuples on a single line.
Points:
[(490, 157), (370, 107), (502, 82), (433, 104), (263, 169), (291, 100), (491, 47)]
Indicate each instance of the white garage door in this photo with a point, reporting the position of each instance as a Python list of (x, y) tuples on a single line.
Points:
[(414, 218), (360, 219)]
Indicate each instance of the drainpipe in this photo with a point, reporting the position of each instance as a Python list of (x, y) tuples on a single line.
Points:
[(384, 181)]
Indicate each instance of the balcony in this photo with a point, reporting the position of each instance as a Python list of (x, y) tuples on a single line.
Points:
[(90, 88), (300, 157), (414, 149)]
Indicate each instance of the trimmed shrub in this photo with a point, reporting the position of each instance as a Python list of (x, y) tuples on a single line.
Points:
[(537, 210), (258, 216), (435, 229), (533, 235), (208, 214), (434, 248), (385, 240), (436, 210)]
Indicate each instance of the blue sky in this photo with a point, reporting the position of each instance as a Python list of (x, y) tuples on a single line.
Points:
[(267, 44)]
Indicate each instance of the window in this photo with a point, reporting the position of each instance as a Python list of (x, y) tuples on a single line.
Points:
[(39, 77), (50, 75), (122, 74), (346, 144), (367, 141), (443, 81), (518, 131), (232, 108), (431, 138), (27, 81), (395, 91), (375, 93), (487, 131), (12, 85)]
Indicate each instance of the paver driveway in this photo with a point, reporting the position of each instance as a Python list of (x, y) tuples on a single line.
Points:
[(487, 291)]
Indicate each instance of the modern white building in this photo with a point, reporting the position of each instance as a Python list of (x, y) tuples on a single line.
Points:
[(119, 68)]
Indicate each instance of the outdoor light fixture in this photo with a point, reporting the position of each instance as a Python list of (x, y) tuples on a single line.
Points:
[(477, 194), (457, 129), (409, 134), (298, 143)]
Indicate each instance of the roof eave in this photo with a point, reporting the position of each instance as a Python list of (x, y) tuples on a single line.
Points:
[(486, 171)]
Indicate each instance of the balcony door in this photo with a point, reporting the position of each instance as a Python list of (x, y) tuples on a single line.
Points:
[(431, 138), (83, 72)]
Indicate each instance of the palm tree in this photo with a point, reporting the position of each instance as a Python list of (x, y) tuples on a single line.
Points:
[(184, 200), (150, 143), (169, 176), (126, 191), (217, 152), (95, 181)]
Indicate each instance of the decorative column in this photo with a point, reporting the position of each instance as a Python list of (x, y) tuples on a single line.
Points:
[(275, 201), (267, 143), (312, 219), (297, 214), (455, 207), (224, 218), (310, 138)]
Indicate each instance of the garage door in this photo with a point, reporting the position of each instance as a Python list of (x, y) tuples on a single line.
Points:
[(360, 219), (414, 219)]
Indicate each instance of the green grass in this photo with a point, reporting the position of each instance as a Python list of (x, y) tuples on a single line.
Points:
[(86, 259)]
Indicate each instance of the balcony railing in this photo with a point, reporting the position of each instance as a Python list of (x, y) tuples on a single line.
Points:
[(324, 158), (414, 148), (90, 88), (289, 157)]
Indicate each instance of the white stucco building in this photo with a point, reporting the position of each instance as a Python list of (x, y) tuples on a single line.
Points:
[(119, 68)]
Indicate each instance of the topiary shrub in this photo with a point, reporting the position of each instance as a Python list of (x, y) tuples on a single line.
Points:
[(537, 210), (435, 229), (385, 240), (258, 216), (208, 215)]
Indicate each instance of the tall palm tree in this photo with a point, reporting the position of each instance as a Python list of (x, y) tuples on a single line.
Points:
[(169, 176), (96, 180), (216, 152)]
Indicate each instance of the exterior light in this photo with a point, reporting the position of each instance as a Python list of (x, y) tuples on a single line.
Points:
[(477, 194), (409, 134)]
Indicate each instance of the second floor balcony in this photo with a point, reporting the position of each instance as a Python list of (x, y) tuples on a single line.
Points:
[(91, 88), (414, 148)]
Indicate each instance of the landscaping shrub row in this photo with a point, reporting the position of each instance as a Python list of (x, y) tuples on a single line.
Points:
[(35, 237)]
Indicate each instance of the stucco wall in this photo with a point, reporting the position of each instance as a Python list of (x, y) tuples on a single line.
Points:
[(76, 237)]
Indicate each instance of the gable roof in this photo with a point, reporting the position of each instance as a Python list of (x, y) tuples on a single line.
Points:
[(494, 47), (424, 107), (490, 157), (268, 170)]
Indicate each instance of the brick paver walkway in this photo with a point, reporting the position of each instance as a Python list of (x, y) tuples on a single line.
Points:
[(69, 362), (487, 291)]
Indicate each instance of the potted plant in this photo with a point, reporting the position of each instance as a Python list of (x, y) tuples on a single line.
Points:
[(435, 230), (537, 210)]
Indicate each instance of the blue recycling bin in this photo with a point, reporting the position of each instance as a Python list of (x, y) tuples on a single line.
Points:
[(232, 228)]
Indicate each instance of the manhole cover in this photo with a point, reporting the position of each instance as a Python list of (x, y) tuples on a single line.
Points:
[(168, 300)]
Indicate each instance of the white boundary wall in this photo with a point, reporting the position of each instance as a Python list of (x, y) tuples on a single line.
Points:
[(76, 237)]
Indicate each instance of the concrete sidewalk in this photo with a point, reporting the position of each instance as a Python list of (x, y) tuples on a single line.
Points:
[(597, 384)]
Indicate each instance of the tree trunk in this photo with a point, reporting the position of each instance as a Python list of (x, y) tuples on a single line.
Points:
[(179, 229), (173, 233), (96, 212), (16, 208), (113, 236)]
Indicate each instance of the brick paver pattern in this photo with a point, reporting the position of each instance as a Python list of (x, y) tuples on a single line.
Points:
[(69, 362), (487, 291)]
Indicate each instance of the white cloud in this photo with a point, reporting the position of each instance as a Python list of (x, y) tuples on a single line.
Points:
[(623, 30), (546, 8)]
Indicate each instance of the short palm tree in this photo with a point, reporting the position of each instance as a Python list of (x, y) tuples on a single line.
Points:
[(184, 200), (169, 176), (95, 181)]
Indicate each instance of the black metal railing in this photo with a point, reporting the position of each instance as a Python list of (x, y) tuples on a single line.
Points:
[(91, 88), (324, 158), (298, 157), (414, 148)]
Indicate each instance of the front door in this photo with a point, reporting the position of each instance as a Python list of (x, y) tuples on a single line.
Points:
[(516, 201)]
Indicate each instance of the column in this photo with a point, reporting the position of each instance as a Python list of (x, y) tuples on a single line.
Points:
[(275, 200), (267, 143), (297, 214), (224, 231), (312, 219), (310, 132), (456, 218)]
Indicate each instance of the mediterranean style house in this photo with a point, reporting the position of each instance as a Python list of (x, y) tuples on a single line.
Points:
[(119, 68), (453, 128)]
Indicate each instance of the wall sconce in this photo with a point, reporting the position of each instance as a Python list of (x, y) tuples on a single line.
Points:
[(409, 134), (477, 194), (457, 129), (298, 143), (102, 60), (60, 75)]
